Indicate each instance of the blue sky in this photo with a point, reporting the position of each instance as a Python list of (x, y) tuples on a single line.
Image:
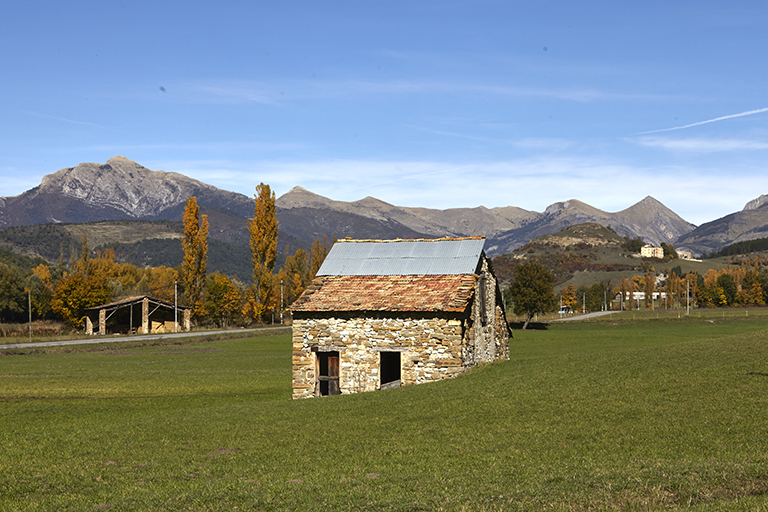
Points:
[(435, 104)]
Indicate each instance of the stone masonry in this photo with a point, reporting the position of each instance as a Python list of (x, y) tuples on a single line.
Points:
[(431, 349)]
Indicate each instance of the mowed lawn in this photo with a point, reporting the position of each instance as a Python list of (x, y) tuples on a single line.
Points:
[(617, 414)]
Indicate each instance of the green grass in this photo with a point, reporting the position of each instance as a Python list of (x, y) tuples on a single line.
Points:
[(617, 414)]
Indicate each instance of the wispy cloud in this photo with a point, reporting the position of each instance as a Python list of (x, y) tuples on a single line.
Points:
[(277, 93), (529, 183), (528, 143), (716, 119), (60, 119), (702, 145), (214, 147)]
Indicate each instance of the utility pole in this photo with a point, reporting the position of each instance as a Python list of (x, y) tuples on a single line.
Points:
[(175, 307), (29, 296)]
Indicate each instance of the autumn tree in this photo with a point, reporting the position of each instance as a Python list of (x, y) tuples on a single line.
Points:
[(263, 240), (568, 296), (649, 285), (728, 284), (222, 299), (41, 286), (75, 293), (82, 264), (161, 282), (317, 254), (194, 266), (532, 290), (295, 275)]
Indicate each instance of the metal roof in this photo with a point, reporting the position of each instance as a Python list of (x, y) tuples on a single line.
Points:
[(443, 256)]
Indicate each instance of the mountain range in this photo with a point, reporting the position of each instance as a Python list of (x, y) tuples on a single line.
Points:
[(121, 189)]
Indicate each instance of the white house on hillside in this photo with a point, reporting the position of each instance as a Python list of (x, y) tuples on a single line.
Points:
[(652, 251)]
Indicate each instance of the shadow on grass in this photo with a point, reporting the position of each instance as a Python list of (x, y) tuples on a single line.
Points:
[(533, 326)]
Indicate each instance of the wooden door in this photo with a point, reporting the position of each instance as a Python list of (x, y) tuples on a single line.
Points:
[(328, 373)]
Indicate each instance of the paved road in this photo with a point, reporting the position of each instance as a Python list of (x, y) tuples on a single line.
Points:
[(584, 317), (116, 339)]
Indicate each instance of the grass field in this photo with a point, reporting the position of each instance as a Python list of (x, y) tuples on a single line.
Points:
[(617, 414)]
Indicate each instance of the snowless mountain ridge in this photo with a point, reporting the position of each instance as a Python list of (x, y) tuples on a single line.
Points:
[(123, 189)]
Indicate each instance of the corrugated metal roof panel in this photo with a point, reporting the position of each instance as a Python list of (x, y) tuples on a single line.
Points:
[(403, 257)]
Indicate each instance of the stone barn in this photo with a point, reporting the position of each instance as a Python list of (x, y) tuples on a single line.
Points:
[(390, 313)]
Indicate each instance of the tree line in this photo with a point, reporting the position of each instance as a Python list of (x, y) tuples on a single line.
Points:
[(63, 291), (741, 283)]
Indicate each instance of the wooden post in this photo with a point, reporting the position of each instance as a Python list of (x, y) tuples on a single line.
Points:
[(102, 322)]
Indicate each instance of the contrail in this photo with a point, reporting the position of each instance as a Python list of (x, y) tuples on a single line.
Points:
[(748, 113)]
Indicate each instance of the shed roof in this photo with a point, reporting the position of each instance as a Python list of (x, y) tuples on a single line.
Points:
[(441, 256), (136, 300)]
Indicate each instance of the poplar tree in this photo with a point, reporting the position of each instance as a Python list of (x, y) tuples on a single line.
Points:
[(194, 267), (263, 240), (317, 255), (295, 275)]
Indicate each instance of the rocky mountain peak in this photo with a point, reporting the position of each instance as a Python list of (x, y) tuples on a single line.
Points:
[(756, 203), (299, 197), (117, 189), (572, 206), (122, 184)]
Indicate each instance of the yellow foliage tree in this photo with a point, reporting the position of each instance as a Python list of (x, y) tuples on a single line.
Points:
[(295, 275), (317, 255), (194, 266), (161, 283), (568, 296), (649, 286), (75, 293), (222, 299), (263, 240)]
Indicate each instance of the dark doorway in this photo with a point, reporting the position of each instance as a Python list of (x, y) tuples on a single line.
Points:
[(328, 373), (390, 370)]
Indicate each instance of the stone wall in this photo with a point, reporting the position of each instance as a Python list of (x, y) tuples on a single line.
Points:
[(430, 349), (489, 336)]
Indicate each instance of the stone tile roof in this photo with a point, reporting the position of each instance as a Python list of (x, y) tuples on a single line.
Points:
[(446, 293)]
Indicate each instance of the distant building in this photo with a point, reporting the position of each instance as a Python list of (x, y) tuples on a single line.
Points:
[(140, 315), (652, 251), (640, 296), (386, 313)]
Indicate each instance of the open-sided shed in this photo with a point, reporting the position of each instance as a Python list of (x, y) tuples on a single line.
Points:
[(141, 315)]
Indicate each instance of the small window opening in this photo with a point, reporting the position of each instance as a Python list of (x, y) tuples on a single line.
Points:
[(483, 312), (328, 373), (390, 370)]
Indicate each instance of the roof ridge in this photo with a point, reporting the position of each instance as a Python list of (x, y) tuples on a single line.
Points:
[(441, 239)]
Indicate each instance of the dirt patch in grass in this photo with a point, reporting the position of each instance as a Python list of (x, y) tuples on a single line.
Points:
[(223, 451)]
